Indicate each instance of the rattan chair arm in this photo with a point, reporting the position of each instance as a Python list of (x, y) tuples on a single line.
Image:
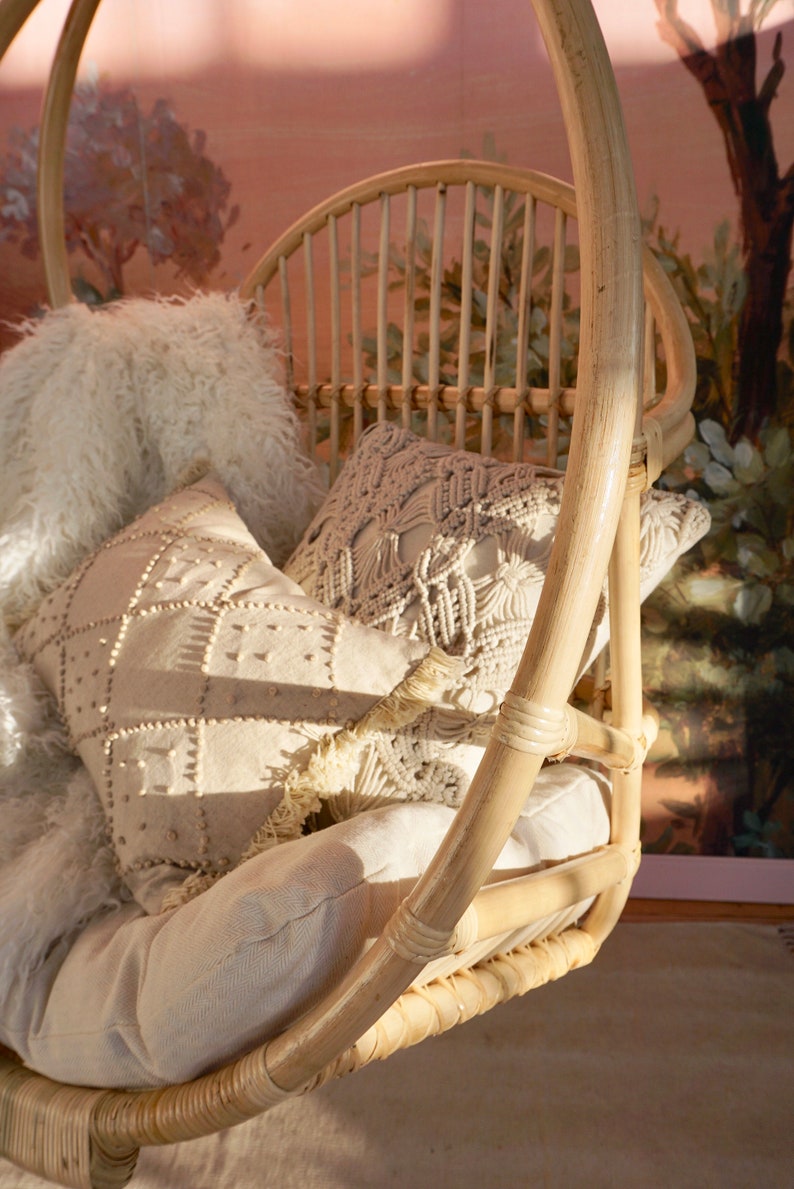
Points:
[(508, 905), (52, 150), (669, 425)]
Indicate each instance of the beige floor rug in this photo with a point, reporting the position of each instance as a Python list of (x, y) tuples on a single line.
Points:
[(668, 1063)]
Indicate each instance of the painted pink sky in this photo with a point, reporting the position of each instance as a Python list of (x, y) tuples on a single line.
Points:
[(301, 97)]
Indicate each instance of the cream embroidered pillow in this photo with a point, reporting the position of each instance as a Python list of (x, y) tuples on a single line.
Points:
[(207, 694), (452, 548)]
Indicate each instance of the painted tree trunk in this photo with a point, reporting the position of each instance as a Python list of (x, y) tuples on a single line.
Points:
[(767, 262), (727, 78)]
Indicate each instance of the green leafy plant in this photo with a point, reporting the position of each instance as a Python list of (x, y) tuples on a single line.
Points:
[(508, 306), (131, 180), (748, 553), (712, 294), (507, 329), (718, 646)]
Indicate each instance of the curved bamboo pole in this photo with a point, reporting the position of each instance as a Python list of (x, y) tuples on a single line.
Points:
[(610, 363), (13, 15), (610, 366), (609, 385), (671, 417), (52, 150)]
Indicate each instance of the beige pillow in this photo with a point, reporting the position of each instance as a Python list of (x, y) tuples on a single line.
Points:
[(452, 548), (203, 689), (138, 1001)]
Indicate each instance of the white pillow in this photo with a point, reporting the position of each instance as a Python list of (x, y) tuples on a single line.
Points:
[(135, 1000), (209, 697)]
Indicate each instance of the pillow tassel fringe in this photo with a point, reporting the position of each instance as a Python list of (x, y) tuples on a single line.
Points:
[(333, 765)]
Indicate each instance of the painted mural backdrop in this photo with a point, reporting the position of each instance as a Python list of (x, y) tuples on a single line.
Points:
[(719, 640), (149, 205)]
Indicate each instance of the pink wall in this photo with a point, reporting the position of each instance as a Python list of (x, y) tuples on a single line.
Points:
[(292, 114)]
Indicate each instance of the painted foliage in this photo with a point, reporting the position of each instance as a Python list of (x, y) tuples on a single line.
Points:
[(719, 641)]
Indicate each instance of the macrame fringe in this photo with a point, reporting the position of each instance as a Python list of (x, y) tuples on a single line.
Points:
[(333, 765)]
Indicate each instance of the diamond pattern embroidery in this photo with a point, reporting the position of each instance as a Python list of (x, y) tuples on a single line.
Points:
[(193, 677)]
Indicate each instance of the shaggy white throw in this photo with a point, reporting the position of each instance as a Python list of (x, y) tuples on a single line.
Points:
[(102, 413), (56, 867)]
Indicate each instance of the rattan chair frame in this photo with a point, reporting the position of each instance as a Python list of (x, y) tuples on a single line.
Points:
[(83, 1137)]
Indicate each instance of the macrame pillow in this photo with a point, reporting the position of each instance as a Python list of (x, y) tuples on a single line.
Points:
[(452, 548), (207, 694)]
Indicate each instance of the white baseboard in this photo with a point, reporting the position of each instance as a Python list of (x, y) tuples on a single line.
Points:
[(697, 877)]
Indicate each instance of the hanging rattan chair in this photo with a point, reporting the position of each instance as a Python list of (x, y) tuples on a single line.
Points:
[(623, 430)]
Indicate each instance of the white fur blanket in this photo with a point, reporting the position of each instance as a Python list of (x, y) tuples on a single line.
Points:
[(102, 412)]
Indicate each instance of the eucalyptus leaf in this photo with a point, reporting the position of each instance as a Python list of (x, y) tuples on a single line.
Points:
[(723, 539), (752, 603), (714, 434), (697, 455), (777, 449), (717, 591), (784, 660), (757, 558), (720, 479), (748, 463), (538, 321), (715, 678), (753, 515), (779, 486)]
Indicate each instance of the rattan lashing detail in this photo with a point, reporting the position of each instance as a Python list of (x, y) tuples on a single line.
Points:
[(422, 1012), (528, 726), (47, 1128), (50, 1128), (414, 940)]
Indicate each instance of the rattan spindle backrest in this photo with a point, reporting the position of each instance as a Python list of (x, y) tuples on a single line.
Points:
[(435, 315), (452, 307)]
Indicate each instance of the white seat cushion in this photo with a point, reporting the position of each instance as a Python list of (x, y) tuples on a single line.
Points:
[(136, 1000)]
